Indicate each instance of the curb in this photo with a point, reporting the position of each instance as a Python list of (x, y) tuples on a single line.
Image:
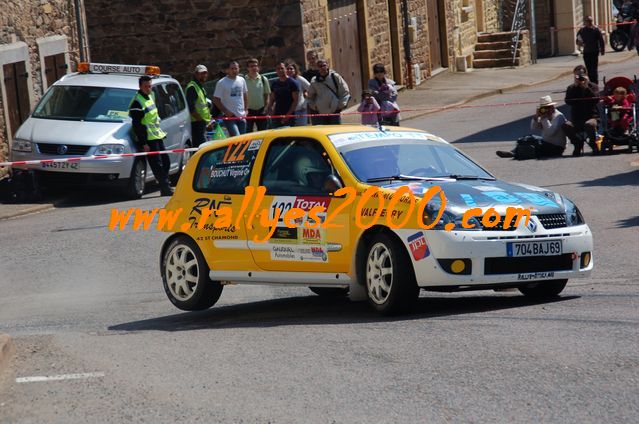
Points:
[(33, 209), (6, 351), (501, 90)]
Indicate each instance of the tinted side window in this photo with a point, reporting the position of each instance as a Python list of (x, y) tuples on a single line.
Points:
[(227, 169), (176, 97), (296, 166), (167, 105)]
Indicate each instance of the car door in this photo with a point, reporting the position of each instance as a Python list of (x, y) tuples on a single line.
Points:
[(170, 120), (218, 185), (294, 173)]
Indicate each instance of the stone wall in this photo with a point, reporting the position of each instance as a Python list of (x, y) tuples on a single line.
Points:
[(177, 35), (492, 15), (315, 27), (379, 36), (28, 20)]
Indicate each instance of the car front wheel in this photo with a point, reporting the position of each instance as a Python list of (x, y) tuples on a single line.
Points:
[(390, 280), (185, 275), (134, 185), (543, 289)]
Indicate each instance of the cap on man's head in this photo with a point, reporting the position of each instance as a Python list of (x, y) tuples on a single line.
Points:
[(200, 68)]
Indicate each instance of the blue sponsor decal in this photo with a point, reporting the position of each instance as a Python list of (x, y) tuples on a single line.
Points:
[(502, 197), (468, 199), (537, 199)]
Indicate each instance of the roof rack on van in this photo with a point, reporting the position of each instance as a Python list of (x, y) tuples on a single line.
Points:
[(109, 68)]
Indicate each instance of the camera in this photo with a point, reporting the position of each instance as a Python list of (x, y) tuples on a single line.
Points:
[(543, 110), (581, 77)]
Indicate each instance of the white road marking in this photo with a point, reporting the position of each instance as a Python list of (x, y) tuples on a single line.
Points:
[(59, 377)]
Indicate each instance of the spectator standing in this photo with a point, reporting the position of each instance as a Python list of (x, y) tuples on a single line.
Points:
[(311, 71), (384, 91), (231, 98), (259, 91), (590, 38), (293, 71), (583, 97), (328, 94), (149, 134), (198, 106), (285, 92), (369, 104), (550, 122)]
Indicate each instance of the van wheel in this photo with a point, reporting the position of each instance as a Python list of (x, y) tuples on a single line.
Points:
[(185, 276), (134, 185), (390, 280), (543, 289), (330, 291), (184, 158)]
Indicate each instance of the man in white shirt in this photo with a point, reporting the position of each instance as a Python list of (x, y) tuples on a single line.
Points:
[(231, 97), (549, 121)]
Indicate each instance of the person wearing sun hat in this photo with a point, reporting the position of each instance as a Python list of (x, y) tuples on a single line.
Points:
[(549, 121)]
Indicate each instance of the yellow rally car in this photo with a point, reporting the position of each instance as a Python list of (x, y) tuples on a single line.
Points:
[(336, 214)]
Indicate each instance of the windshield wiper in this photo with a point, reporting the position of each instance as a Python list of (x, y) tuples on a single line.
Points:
[(401, 177), (466, 177)]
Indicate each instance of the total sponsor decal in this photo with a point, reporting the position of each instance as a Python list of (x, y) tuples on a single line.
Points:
[(418, 246), (535, 276), (306, 203), (299, 253)]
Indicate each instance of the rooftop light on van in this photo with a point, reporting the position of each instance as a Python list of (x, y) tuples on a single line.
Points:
[(109, 68)]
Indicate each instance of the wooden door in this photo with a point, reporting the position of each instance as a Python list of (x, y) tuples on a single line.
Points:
[(55, 67), (16, 85), (344, 33), (433, 34)]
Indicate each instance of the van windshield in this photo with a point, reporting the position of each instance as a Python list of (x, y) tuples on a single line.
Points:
[(78, 103)]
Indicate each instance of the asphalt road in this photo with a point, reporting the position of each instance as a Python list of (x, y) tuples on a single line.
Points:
[(78, 298)]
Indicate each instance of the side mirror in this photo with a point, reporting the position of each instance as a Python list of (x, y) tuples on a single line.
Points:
[(331, 184)]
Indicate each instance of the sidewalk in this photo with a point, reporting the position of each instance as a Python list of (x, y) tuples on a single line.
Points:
[(450, 89)]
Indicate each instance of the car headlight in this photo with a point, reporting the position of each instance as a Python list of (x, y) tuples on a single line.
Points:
[(22, 145), (431, 212), (573, 216), (110, 149)]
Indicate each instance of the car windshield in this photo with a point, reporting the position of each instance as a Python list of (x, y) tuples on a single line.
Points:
[(78, 103), (380, 162)]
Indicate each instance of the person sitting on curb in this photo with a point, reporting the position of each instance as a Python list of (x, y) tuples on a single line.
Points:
[(552, 142)]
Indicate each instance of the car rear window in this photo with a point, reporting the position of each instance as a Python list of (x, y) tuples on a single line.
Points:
[(227, 169)]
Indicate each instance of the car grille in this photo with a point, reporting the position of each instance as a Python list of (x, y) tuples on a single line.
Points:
[(500, 226), (507, 265), (553, 220), (72, 150)]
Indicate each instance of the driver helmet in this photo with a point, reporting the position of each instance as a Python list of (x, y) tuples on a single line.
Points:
[(309, 172)]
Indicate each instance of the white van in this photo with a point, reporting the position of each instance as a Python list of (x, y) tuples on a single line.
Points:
[(86, 113)]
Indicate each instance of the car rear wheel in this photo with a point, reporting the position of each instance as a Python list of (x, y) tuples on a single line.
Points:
[(185, 275), (390, 280), (543, 289), (134, 185), (330, 291)]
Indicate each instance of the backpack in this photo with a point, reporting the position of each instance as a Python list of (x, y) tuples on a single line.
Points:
[(527, 147)]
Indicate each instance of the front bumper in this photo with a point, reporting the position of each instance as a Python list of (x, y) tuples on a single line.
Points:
[(117, 165), (486, 251)]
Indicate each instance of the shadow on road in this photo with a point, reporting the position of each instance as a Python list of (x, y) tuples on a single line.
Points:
[(628, 222), (629, 178), (315, 310), (510, 131)]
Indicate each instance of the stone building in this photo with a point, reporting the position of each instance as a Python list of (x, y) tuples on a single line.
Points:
[(413, 38), (39, 43)]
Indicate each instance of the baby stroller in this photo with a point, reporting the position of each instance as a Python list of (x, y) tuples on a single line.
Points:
[(614, 136)]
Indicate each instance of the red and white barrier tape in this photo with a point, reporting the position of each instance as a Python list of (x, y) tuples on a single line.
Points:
[(194, 149), (94, 157)]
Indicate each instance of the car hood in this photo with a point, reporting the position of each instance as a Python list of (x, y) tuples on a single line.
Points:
[(84, 133), (464, 194)]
